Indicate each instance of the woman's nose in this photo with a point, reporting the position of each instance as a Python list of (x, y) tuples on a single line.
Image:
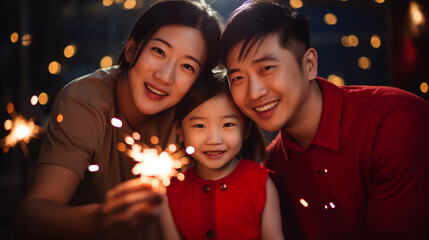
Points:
[(166, 73)]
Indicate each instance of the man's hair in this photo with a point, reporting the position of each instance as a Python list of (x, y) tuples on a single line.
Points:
[(254, 20), (191, 13)]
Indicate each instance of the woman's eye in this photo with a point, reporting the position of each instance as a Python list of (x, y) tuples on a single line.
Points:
[(189, 67), (158, 51), (233, 79)]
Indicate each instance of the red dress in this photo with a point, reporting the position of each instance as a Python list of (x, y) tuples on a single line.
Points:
[(228, 208)]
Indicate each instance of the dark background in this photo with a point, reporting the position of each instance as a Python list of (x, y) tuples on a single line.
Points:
[(98, 31)]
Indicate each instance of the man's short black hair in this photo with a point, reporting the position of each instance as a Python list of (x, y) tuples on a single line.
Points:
[(254, 20)]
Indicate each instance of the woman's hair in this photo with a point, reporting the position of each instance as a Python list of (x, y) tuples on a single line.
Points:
[(216, 84), (190, 13)]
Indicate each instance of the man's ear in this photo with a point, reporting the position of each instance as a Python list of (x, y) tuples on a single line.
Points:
[(179, 131), (130, 48), (310, 63)]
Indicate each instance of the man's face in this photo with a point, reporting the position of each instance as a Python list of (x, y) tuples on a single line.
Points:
[(269, 85)]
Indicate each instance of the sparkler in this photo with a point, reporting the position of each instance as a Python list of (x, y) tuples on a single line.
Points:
[(155, 167), (21, 130)]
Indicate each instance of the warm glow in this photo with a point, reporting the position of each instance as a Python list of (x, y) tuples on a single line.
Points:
[(181, 176), (364, 62), (335, 80), (375, 41), (303, 202), (106, 62), (330, 19), (93, 168), (107, 3), (154, 140), (43, 98), (122, 147), (69, 51), (54, 67), (14, 37), (7, 124), (129, 4), (34, 100), (379, 1), (10, 108), (350, 41), (60, 118), (136, 135), (295, 3), (190, 150), (416, 14), (21, 129), (116, 122), (424, 87), (129, 140), (26, 40), (172, 148)]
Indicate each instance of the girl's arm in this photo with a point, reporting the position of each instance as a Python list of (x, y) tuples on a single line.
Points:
[(271, 222), (169, 228)]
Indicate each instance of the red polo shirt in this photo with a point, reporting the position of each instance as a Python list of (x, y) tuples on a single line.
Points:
[(366, 172)]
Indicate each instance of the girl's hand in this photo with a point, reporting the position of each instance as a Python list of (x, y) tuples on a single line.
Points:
[(128, 208)]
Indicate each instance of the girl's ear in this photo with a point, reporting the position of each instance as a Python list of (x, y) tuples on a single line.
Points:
[(130, 49), (179, 130)]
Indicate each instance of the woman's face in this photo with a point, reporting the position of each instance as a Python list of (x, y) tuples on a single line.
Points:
[(167, 67)]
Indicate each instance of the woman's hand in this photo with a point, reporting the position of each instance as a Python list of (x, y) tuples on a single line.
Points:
[(129, 208)]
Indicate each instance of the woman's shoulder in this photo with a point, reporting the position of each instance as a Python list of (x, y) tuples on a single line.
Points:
[(95, 88)]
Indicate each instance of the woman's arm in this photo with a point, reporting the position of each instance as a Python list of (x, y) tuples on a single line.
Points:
[(271, 228), (44, 213)]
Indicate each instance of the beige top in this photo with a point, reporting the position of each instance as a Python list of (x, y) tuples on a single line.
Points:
[(86, 136)]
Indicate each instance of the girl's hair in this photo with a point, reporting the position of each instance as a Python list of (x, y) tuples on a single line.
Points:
[(190, 13), (216, 84)]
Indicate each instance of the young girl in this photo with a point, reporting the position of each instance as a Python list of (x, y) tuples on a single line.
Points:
[(168, 48), (226, 194)]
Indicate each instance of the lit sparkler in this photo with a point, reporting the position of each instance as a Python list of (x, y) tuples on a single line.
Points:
[(157, 168), (21, 130)]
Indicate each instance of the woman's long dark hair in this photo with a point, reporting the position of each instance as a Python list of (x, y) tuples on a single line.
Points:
[(208, 86)]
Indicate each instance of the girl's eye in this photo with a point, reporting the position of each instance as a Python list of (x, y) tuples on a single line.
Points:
[(189, 67), (158, 51), (199, 125), (228, 124)]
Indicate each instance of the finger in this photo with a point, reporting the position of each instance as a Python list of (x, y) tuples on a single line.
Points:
[(126, 187), (123, 202)]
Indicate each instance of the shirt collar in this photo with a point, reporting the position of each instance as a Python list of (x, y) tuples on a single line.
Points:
[(328, 133)]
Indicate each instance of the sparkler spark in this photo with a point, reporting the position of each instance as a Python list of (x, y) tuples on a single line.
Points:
[(157, 167), (21, 130)]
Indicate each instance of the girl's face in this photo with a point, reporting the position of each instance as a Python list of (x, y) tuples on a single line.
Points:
[(166, 68), (216, 130)]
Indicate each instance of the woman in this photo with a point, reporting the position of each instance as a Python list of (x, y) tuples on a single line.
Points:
[(171, 44)]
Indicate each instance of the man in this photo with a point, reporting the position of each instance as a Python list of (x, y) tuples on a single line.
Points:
[(351, 162)]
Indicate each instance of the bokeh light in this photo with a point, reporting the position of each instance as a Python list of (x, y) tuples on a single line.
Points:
[(296, 3), (364, 63), (424, 87), (26, 40), (330, 19), (70, 51), (106, 62), (14, 37), (130, 4), (54, 68), (375, 41), (43, 98)]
